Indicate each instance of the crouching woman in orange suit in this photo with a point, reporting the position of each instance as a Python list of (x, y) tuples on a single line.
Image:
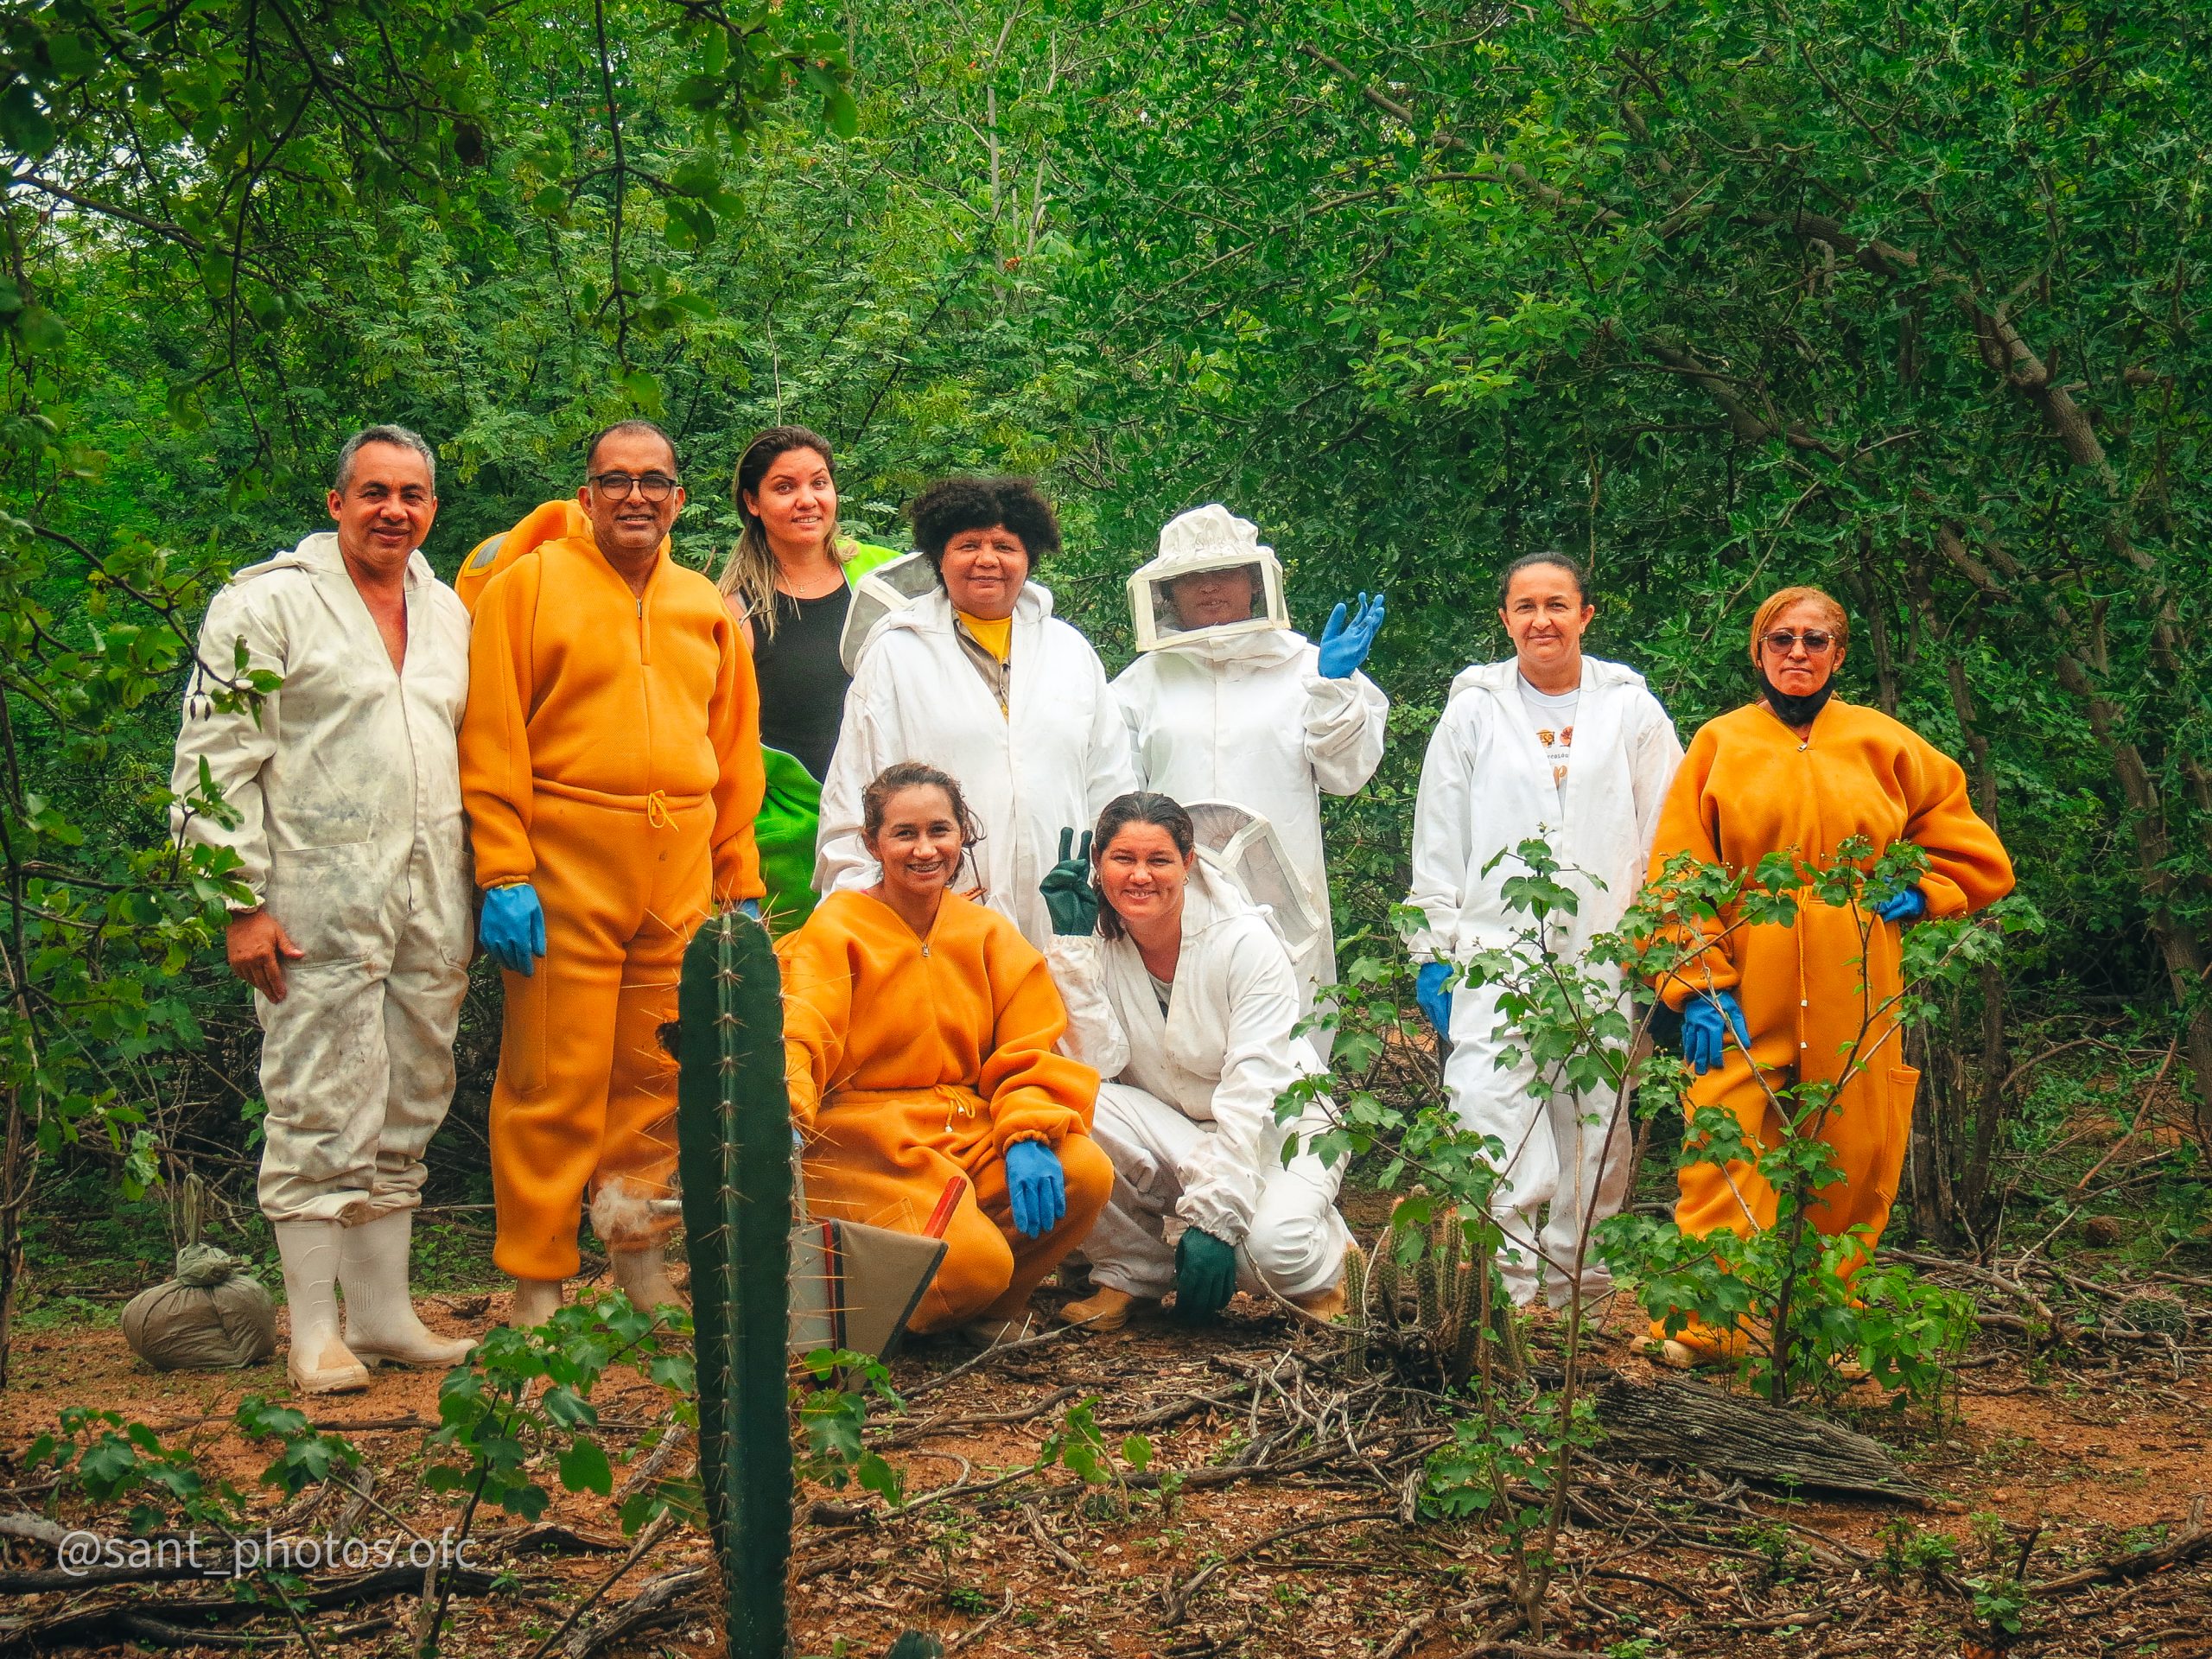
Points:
[(1803, 770), (919, 1033)]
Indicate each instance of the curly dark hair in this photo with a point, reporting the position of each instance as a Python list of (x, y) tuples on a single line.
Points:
[(953, 504)]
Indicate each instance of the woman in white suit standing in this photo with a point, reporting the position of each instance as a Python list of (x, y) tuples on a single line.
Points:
[(1574, 750)]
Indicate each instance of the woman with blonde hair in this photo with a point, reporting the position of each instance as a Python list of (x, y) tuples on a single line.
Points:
[(788, 581), (1764, 1007)]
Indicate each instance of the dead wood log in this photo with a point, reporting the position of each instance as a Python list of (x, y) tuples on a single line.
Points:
[(1681, 1423), (550, 1538)]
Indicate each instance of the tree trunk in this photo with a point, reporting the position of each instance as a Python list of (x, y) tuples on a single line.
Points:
[(15, 1194), (2180, 946)]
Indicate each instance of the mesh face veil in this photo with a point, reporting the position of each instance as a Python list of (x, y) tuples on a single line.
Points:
[(1246, 847), (892, 586), (1213, 580)]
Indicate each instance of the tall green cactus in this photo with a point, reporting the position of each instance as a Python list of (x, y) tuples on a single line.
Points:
[(732, 1139)]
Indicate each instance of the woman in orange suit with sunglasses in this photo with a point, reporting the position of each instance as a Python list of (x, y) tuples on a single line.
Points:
[(1801, 771)]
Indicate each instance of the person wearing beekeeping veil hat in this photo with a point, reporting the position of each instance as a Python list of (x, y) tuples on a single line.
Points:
[(1226, 702)]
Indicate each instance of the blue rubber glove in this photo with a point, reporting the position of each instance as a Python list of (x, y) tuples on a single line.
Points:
[(1435, 1001), (1037, 1186), (1344, 644), (513, 927), (1705, 1022), (1907, 906), (750, 907), (1205, 1275)]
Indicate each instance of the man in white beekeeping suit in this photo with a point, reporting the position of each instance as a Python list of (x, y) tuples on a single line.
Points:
[(339, 793), (1226, 702)]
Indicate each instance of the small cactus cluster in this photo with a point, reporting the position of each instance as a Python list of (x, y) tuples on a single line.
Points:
[(1439, 1316), (2154, 1312)]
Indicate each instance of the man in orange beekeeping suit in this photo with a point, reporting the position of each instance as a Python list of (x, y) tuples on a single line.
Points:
[(610, 761)]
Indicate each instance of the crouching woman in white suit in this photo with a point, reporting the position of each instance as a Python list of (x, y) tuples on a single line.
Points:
[(1574, 750), (1190, 1016)]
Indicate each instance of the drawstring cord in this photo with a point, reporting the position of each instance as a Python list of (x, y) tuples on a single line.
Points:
[(656, 812), (958, 1102)]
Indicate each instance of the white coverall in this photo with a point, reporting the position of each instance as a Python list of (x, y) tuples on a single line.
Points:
[(347, 794), (1486, 786), (1050, 760), (1189, 1115), (1250, 719)]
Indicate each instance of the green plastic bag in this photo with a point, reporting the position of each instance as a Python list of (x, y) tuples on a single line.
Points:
[(784, 832)]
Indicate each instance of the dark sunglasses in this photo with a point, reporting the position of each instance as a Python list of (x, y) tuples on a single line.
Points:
[(1782, 641)]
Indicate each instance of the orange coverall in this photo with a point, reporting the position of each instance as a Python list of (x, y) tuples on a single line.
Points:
[(1746, 788), (912, 1061), (610, 756)]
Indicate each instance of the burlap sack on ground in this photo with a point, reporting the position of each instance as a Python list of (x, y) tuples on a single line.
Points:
[(214, 1316)]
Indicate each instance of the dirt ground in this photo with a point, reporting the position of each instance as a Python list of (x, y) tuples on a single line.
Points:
[(1290, 1533)]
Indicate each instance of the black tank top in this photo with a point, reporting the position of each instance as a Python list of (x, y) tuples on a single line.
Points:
[(802, 681)]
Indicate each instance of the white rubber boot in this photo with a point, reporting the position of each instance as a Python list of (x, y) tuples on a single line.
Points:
[(381, 1323), (535, 1300), (641, 1274), (317, 1361)]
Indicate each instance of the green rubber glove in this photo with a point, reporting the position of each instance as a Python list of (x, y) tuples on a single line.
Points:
[(1070, 899), (1205, 1275)]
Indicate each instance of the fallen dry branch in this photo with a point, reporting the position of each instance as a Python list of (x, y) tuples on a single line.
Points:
[(659, 1601), (1421, 1623), (1046, 1542), (2194, 1543), (655, 1530), (153, 1623), (931, 1385), (655, 1463), (550, 1538), (1176, 1598), (907, 1433)]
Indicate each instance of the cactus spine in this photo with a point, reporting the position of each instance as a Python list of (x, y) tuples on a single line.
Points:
[(733, 1137)]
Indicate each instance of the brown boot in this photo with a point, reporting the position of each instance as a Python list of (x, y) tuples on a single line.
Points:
[(1104, 1309), (1329, 1303)]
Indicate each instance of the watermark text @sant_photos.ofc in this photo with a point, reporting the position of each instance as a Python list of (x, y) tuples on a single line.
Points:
[(86, 1554)]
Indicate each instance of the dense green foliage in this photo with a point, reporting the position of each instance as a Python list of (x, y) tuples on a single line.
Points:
[(1896, 296)]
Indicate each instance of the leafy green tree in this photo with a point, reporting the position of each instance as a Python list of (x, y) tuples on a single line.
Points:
[(205, 187), (1719, 296)]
